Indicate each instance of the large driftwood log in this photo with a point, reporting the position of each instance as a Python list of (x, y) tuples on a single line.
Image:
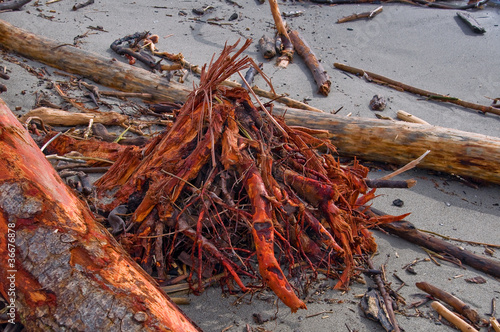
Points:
[(61, 268), (453, 151)]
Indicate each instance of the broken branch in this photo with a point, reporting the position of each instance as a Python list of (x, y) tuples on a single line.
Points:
[(379, 79)]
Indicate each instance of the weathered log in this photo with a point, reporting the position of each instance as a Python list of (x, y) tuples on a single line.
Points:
[(102, 70), (452, 151), (61, 269)]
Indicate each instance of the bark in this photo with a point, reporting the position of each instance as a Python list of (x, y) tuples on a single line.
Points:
[(70, 274), (452, 151), (319, 73)]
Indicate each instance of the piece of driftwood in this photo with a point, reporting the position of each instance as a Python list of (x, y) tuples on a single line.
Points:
[(386, 299), (13, 5), (358, 16), (267, 47), (453, 151), (287, 52), (374, 308), (379, 79), (56, 117), (405, 116), (410, 233), (66, 270), (471, 22), (102, 70), (319, 73), (451, 300), (452, 318)]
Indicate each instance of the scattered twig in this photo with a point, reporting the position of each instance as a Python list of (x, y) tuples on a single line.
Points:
[(460, 240), (406, 167), (379, 79), (386, 297)]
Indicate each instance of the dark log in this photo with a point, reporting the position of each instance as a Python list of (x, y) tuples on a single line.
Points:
[(61, 268), (410, 233)]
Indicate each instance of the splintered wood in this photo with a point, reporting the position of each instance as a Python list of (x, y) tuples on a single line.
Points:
[(241, 195)]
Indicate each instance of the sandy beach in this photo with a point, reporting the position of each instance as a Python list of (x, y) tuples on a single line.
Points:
[(428, 48)]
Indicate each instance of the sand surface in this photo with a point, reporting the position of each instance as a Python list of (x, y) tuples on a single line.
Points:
[(424, 47)]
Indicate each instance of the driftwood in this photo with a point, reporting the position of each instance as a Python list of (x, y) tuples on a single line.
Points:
[(452, 318), (102, 70), (452, 151), (287, 52), (462, 153), (56, 117), (13, 5), (451, 300), (407, 231), (319, 73), (107, 71), (357, 16), (379, 79), (66, 271)]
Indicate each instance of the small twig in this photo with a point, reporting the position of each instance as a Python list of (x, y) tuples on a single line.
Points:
[(385, 296), (319, 313), (460, 240), (50, 141), (273, 120), (367, 15)]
